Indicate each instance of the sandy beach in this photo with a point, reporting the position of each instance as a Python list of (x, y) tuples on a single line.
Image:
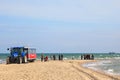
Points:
[(52, 70)]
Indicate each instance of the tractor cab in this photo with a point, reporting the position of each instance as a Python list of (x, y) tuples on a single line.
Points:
[(21, 55), (17, 51)]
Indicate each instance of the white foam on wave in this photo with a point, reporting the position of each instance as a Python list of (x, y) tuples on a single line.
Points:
[(91, 65), (101, 55), (104, 66), (106, 58), (65, 58), (116, 57), (98, 63), (110, 70), (107, 62), (2, 61)]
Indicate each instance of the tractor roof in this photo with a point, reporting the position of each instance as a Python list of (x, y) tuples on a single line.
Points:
[(17, 47), (23, 47)]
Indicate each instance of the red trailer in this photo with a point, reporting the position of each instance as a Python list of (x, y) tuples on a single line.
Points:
[(31, 54)]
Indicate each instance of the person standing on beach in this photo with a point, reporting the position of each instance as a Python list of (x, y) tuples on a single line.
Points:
[(92, 57), (61, 56), (42, 57), (54, 57), (81, 56)]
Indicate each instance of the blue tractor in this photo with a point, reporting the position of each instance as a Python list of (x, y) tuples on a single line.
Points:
[(17, 55)]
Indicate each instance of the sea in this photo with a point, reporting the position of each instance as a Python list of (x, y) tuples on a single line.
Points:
[(107, 63)]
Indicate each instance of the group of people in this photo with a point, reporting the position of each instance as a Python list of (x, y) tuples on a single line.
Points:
[(87, 57), (61, 57), (52, 57), (44, 58)]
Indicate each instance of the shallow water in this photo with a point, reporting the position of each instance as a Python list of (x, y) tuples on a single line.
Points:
[(111, 66)]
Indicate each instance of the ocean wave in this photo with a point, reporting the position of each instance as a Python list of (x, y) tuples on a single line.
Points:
[(106, 66), (111, 71), (102, 58), (65, 58), (2, 61)]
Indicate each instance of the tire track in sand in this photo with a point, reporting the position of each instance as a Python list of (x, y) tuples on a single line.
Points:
[(93, 77), (87, 74)]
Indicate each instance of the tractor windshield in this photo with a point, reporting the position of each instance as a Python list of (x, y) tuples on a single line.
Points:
[(17, 50)]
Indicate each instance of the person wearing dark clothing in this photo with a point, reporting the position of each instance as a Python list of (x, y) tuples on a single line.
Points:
[(61, 56), (92, 57), (81, 57), (42, 57), (54, 57)]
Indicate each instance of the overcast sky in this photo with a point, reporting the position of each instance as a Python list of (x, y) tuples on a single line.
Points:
[(61, 25)]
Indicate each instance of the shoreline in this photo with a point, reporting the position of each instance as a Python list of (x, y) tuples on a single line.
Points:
[(102, 66), (99, 72), (53, 70)]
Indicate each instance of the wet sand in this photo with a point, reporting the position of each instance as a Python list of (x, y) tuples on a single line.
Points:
[(52, 70)]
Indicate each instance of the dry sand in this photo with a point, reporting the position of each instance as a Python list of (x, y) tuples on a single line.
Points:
[(52, 70)]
